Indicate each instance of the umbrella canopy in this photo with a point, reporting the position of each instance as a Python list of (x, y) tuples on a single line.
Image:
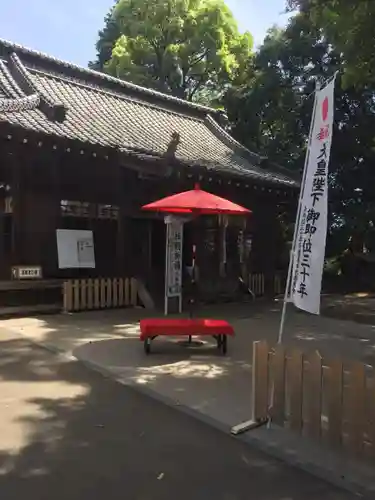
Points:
[(196, 201)]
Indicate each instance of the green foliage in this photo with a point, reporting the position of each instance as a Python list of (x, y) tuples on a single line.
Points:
[(350, 26), (189, 48), (192, 49), (271, 114), (107, 37)]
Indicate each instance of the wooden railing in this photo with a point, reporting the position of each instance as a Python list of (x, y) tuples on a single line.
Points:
[(257, 286), (330, 401), (111, 293), (100, 293)]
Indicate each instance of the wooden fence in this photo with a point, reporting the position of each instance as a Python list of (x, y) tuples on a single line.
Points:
[(100, 293), (256, 284), (330, 401)]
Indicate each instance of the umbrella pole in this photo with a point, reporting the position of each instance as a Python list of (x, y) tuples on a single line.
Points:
[(193, 282), (193, 266)]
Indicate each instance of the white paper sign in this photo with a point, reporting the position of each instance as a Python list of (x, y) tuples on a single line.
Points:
[(75, 248), (85, 251), (310, 245)]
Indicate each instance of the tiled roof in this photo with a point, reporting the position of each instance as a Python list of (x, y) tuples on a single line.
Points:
[(80, 104)]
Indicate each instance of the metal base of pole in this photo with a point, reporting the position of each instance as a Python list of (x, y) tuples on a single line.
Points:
[(247, 426), (191, 343)]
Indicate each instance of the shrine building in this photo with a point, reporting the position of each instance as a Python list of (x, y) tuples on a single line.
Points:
[(81, 150)]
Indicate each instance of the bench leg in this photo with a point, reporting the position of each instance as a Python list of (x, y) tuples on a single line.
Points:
[(147, 345), (224, 344)]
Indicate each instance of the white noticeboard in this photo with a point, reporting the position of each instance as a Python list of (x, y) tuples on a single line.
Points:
[(173, 261), (75, 248)]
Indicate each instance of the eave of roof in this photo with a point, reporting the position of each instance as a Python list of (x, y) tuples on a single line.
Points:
[(104, 110)]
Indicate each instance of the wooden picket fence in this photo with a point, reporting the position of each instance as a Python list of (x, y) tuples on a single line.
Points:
[(100, 293), (256, 284), (330, 401)]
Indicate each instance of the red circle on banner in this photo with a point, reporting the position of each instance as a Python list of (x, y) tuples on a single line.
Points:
[(325, 109)]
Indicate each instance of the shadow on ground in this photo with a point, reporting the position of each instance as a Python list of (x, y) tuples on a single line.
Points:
[(69, 433), (200, 377), (217, 386)]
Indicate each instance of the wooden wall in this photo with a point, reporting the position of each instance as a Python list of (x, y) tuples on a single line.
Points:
[(40, 177)]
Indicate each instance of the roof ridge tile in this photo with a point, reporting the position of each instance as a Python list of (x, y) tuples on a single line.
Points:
[(104, 77), (232, 141), (54, 111), (118, 95)]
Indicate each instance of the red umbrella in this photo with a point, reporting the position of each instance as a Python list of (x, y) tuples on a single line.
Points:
[(196, 201)]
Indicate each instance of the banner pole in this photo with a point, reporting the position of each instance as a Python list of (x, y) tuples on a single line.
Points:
[(295, 233)]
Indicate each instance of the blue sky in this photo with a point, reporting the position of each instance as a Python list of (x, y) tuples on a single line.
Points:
[(68, 30)]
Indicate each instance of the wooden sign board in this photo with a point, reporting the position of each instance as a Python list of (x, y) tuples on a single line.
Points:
[(26, 272)]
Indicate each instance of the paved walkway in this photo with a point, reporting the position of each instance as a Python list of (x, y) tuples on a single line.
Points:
[(219, 387), (358, 307), (69, 433)]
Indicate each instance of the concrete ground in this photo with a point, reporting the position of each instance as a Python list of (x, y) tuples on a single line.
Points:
[(219, 387), (69, 433), (358, 307)]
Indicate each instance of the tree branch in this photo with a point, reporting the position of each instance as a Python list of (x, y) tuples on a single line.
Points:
[(199, 59), (195, 88)]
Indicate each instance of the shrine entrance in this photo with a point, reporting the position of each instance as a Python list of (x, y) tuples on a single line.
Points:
[(158, 235)]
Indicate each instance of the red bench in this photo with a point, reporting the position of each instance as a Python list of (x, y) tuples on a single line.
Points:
[(155, 327)]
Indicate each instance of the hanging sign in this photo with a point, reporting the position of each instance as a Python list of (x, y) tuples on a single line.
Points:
[(309, 251), (173, 273)]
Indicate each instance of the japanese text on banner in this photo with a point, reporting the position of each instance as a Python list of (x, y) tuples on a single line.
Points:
[(309, 251), (174, 259)]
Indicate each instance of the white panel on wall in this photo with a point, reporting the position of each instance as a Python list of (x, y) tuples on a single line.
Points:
[(75, 248)]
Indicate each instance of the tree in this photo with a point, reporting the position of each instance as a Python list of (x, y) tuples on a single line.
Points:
[(107, 38), (189, 48), (271, 113), (350, 26)]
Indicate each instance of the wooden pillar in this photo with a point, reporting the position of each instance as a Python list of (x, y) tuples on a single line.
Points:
[(242, 249), (53, 192), (2, 236), (265, 242), (222, 244), (36, 209), (127, 196), (120, 239), (17, 208), (122, 232), (270, 245)]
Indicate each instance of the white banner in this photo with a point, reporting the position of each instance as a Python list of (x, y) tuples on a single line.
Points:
[(310, 242)]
